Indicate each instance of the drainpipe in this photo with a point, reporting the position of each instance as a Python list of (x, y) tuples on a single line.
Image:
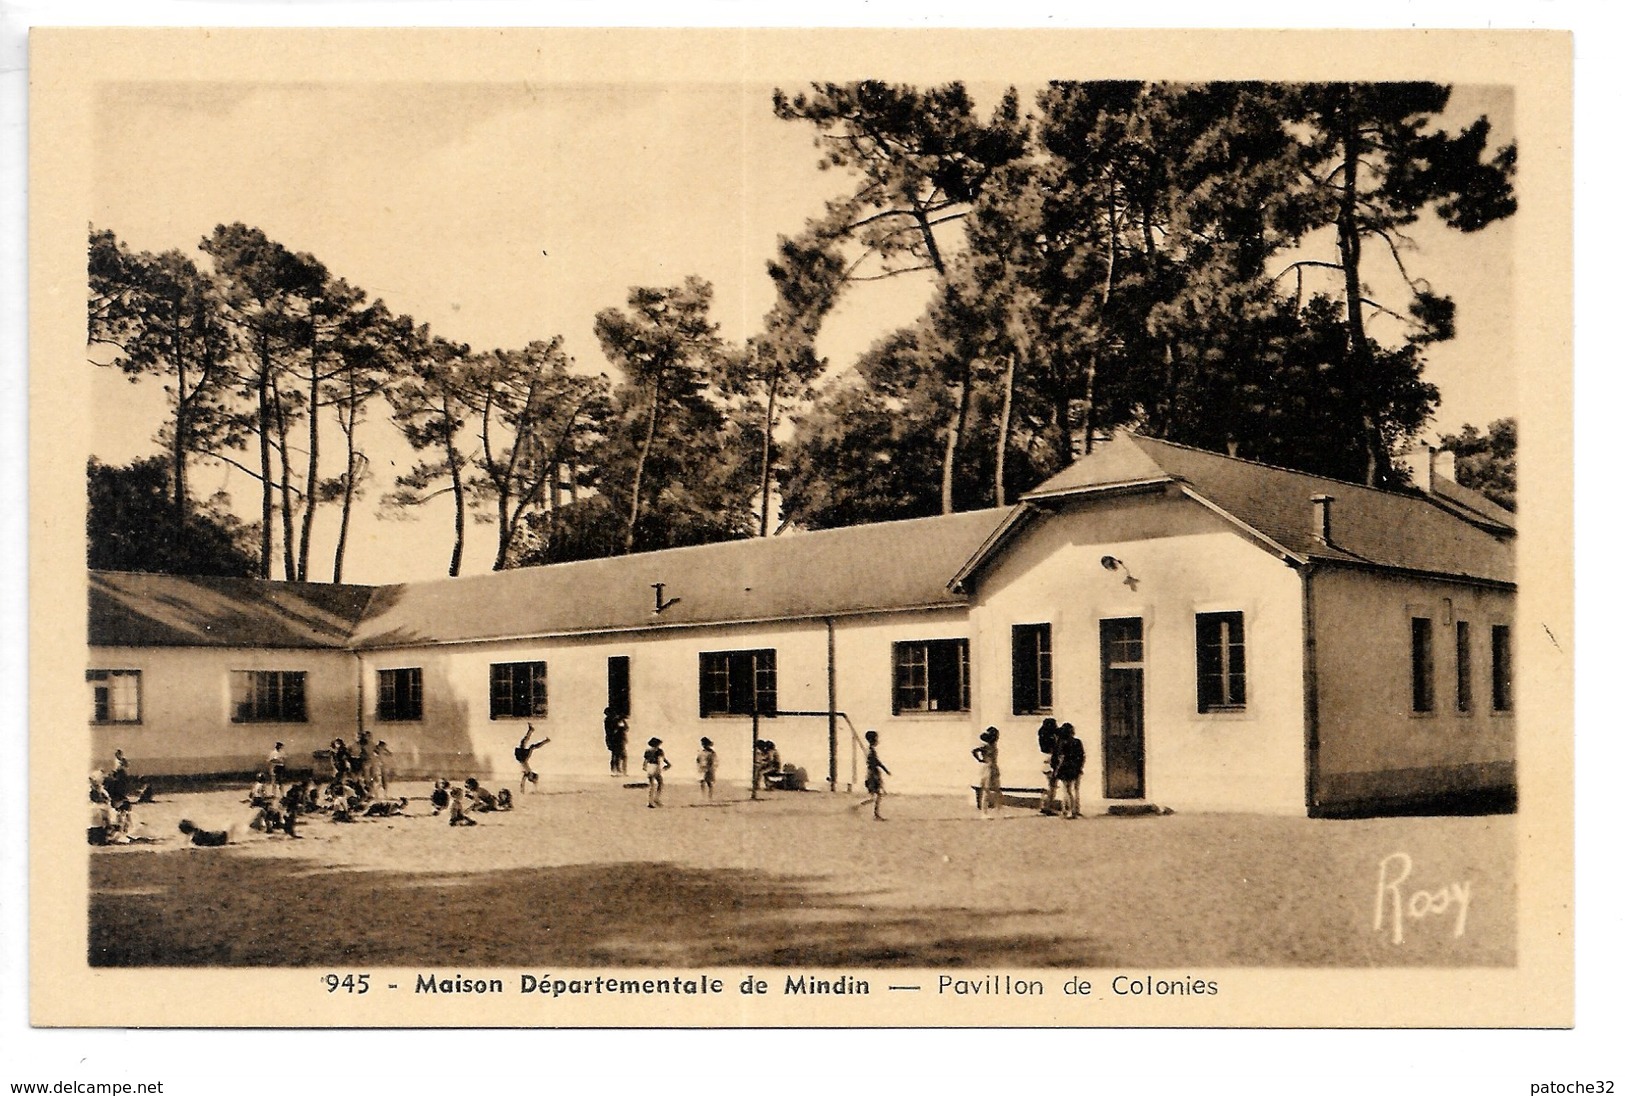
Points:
[(829, 633), (1311, 697), (360, 696)]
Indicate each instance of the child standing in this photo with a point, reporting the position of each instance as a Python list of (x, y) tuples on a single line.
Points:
[(706, 762), (655, 764), (276, 765), (873, 767), (987, 753)]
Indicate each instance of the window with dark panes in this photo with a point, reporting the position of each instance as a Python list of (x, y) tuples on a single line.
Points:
[(931, 675), (1031, 687), (1221, 662), (518, 690), (115, 695), (1421, 664), (739, 682), (268, 696), (400, 694), (1501, 667)]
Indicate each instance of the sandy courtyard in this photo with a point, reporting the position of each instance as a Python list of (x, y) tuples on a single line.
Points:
[(589, 876)]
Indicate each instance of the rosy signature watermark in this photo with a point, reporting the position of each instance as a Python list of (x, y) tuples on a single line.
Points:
[(1396, 905)]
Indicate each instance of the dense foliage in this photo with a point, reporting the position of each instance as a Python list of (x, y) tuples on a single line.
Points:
[(1192, 261)]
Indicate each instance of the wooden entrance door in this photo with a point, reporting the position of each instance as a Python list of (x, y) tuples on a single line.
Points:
[(619, 693), (1122, 707)]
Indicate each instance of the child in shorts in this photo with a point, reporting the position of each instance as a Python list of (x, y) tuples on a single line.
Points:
[(873, 767), (655, 765), (706, 762)]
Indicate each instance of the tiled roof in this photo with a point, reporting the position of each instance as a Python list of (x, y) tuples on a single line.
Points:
[(140, 610), (864, 568), (1389, 529)]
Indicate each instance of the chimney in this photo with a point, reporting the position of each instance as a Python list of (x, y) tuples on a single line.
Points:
[(1321, 517), (1441, 466)]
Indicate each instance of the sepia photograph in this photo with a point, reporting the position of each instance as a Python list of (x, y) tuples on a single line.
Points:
[(665, 528)]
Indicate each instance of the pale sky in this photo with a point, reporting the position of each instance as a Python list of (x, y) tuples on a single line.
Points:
[(503, 213)]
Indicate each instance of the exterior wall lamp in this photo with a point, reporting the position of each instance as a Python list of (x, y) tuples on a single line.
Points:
[(1112, 563)]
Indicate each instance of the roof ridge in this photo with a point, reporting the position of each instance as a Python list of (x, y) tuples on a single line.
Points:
[(1413, 492), (776, 538)]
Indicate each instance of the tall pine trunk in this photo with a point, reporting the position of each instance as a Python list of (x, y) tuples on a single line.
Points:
[(1090, 377), (956, 431), (1004, 428), (308, 519), (637, 472), (290, 570), (767, 453), (1361, 365), (182, 428), (454, 464), (263, 412)]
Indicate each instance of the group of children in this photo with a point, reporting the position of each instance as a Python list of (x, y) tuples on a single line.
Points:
[(463, 801), (1063, 770), (357, 787)]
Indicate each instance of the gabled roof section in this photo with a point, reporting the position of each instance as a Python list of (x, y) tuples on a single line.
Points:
[(865, 568), (1109, 465), (140, 610), (1387, 529), (1470, 505)]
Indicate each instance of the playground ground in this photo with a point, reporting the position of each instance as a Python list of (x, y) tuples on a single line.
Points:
[(588, 876)]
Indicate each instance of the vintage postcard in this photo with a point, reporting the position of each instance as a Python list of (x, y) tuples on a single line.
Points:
[(800, 528)]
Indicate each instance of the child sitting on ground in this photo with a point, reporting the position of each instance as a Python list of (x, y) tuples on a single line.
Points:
[(458, 816), (440, 798)]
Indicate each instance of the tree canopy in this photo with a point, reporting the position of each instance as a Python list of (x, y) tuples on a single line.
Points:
[(1194, 261)]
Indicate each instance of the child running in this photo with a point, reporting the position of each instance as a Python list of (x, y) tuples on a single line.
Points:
[(655, 764), (521, 754), (706, 762), (873, 767)]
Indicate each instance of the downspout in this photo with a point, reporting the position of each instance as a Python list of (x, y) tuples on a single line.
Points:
[(1311, 697), (360, 696), (829, 632)]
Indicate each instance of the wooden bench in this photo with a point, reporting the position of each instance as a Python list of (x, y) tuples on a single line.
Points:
[(1030, 799)]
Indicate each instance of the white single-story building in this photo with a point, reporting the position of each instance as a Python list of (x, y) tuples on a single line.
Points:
[(1224, 635)]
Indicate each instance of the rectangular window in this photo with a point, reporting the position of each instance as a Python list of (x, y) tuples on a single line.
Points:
[(115, 695), (1464, 667), (1421, 664), (1501, 667), (518, 690), (739, 682), (1221, 663), (1030, 678), (268, 696), (931, 675), (400, 694)]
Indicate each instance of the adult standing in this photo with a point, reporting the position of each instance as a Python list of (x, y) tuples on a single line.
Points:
[(615, 734), (276, 764), (381, 753)]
